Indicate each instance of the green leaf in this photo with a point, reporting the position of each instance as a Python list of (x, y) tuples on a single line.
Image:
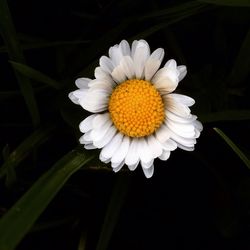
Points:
[(46, 44), (17, 222), (180, 16), (26, 147), (234, 147), (227, 115), (15, 53), (53, 223), (177, 10), (114, 208), (6, 95), (240, 70), (10, 172), (6, 152), (234, 3), (35, 75), (82, 241)]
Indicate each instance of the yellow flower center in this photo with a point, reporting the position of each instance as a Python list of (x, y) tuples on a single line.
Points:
[(136, 108)]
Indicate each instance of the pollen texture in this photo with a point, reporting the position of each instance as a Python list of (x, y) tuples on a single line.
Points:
[(136, 108)]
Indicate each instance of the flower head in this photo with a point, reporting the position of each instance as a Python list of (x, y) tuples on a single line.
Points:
[(136, 117)]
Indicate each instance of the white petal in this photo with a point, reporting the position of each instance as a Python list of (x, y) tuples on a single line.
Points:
[(100, 120), (153, 63), (179, 119), (100, 74), (117, 167), (197, 133), (171, 64), (106, 138), (146, 155), (85, 139), (183, 129), (133, 166), (125, 48), (122, 151), (190, 148), (82, 83), (115, 55), (158, 54), (169, 145), (188, 142), (140, 56), (148, 164), (151, 66), (182, 71), (165, 80), (148, 172), (77, 95), (95, 101), (118, 74), (103, 159), (163, 133), (87, 124), (127, 66), (198, 125), (73, 98), (186, 100), (165, 155), (132, 156), (172, 71), (136, 43), (106, 64), (177, 108), (103, 85), (154, 145), (133, 47), (99, 133), (108, 151), (89, 146)]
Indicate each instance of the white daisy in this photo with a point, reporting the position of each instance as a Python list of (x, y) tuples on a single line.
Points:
[(136, 117)]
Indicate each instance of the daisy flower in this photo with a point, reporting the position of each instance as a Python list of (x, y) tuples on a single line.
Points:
[(136, 117)]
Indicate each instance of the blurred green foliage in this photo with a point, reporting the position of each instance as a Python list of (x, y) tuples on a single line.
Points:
[(44, 47)]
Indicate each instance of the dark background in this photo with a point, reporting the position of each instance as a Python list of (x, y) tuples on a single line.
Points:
[(196, 200)]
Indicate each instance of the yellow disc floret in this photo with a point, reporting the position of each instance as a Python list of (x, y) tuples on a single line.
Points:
[(136, 108)]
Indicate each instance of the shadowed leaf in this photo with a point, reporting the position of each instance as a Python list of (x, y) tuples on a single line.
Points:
[(35, 75), (15, 53), (41, 45), (234, 3), (82, 241), (16, 223), (10, 172), (25, 148), (240, 69), (43, 226), (177, 10), (179, 16), (114, 208), (233, 147)]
